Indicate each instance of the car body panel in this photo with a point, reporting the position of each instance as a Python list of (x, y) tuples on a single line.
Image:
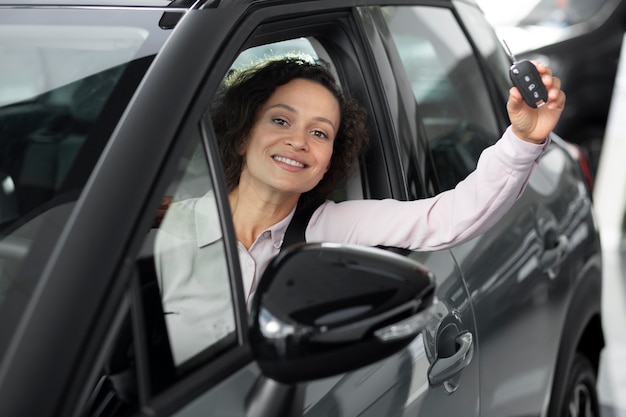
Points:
[(542, 296)]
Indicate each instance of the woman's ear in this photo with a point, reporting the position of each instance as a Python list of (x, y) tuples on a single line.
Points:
[(243, 146)]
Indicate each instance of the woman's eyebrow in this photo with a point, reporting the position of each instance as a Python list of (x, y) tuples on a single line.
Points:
[(293, 110)]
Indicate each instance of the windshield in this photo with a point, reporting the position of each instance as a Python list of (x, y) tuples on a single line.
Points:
[(66, 77)]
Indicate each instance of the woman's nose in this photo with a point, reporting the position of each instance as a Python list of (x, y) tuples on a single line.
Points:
[(299, 140)]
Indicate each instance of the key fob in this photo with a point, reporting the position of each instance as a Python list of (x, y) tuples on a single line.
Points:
[(526, 78)]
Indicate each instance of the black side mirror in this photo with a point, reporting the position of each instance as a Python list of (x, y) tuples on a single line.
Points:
[(325, 309)]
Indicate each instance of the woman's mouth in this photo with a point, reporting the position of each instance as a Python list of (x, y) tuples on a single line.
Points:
[(288, 161)]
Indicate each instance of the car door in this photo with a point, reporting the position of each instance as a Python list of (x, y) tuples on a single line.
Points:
[(142, 367), (460, 120), (516, 272), (409, 383), (551, 266), (395, 386)]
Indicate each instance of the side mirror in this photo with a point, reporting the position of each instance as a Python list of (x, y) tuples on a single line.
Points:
[(325, 309)]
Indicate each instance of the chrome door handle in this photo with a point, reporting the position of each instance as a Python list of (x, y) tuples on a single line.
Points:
[(443, 369)]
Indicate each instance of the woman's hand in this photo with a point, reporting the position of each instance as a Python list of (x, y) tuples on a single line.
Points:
[(534, 125)]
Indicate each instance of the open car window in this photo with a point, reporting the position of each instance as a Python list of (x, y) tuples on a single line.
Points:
[(308, 48)]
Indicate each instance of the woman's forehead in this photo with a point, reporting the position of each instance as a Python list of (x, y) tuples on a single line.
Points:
[(302, 94)]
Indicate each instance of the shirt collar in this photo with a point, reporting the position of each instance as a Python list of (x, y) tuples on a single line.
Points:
[(208, 228)]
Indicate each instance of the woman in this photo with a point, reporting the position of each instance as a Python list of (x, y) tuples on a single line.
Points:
[(287, 136)]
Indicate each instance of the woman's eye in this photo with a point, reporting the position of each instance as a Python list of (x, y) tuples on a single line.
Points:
[(320, 134), (279, 121)]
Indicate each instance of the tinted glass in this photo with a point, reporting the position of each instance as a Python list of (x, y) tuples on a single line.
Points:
[(489, 45), (66, 77), (448, 86), (183, 297), (191, 265)]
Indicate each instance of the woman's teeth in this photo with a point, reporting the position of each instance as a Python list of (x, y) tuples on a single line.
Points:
[(289, 161)]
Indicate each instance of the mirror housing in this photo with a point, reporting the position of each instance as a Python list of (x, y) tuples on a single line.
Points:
[(325, 309)]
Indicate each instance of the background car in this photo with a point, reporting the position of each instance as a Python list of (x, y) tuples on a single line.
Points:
[(581, 40), (106, 109)]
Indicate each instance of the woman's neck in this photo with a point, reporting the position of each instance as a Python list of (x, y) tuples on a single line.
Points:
[(252, 214)]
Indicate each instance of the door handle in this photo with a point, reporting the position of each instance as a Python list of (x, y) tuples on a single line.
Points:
[(443, 369), (555, 248)]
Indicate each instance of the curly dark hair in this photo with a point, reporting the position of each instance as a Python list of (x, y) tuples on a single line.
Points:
[(243, 94)]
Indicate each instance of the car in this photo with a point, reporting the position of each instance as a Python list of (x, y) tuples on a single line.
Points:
[(582, 43), (106, 110)]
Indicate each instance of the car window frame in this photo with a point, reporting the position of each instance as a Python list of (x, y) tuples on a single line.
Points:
[(494, 94), (497, 85), (404, 124), (452, 163)]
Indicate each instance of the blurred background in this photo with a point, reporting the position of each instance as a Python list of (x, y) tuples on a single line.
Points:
[(583, 42)]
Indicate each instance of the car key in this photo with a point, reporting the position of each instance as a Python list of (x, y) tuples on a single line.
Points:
[(526, 78)]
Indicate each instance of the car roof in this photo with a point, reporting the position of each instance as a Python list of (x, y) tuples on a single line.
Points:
[(183, 4), (93, 3)]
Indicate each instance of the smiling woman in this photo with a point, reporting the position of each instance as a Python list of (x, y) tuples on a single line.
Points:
[(307, 125), (287, 136), (238, 105), (284, 140)]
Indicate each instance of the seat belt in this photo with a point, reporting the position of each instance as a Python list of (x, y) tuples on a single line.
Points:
[(295, 232)]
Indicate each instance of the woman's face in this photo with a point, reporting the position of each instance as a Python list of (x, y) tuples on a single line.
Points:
[(291, 141)]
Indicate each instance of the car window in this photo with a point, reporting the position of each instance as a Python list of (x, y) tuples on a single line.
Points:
[(190, 263), (489, 45), (448, 86), (182, 308), (308, 48), (66, 77), (290, 47)]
